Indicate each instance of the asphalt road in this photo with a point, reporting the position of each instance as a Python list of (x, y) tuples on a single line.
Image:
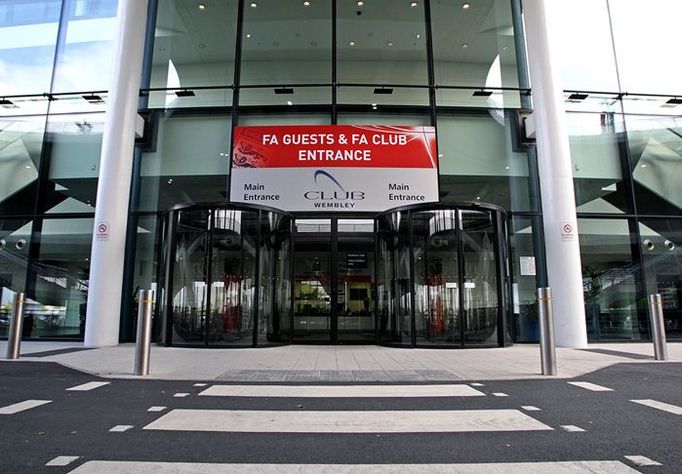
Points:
[(77, 423)]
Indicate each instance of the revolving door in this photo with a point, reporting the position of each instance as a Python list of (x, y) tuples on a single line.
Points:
[(227, 276)]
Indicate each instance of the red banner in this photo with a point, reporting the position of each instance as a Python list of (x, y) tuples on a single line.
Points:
[(349, 146)]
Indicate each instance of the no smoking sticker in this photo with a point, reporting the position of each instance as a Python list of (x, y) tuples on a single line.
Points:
[(102, 231), (567, 231)]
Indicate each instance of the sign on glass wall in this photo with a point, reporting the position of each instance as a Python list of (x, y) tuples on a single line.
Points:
[(335, 167)]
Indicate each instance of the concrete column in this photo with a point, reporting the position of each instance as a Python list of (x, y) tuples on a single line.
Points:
[(556, 179), (113, 190)]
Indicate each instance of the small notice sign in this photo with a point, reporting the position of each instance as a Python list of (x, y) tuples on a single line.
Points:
[(567, 231), (527, 265), (102, 231)]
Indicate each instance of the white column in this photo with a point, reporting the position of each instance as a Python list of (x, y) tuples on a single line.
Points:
[(113, 189), (556, 179)]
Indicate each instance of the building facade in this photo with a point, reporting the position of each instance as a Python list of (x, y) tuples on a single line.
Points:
[(556, 162)]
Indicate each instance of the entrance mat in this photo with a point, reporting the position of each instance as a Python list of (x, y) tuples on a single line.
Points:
[(627, 355), (55, 352), (338, 376)]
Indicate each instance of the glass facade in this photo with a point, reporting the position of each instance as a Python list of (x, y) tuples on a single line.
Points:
[(54, 72), (287, 62)]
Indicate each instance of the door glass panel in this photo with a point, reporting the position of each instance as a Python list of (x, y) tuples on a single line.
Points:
[(436, 272), (480, 302), (355, 280), (233, 277), (189, 278), (312, 282)]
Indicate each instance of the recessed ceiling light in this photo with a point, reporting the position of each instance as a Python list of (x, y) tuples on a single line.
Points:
[(289, 102), (390, 43), (352, 43), (465, 6), (465, 45), (248, 35), (254, 4), (504, 48), (644, 165), (307, 4), (506, 167), (360, 3), (28, 167), (419, 36), (478, 198), (201, 6), (413, 4)]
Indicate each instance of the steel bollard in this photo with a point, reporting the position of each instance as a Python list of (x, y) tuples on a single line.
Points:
[(658, 327), (143, 340), (547, 349), (15, 328)]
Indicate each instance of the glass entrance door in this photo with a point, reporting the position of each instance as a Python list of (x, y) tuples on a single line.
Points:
[(313, 284), (334, 281)]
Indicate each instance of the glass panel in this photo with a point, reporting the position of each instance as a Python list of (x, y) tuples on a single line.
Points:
[(188, 291), (355, 280), (275, 277), (233, 277), (58, 304), (663, 268), (146, 268), (474, 46), (609, 279), (586, 58), (84, 61), (480, 303), (194, 46), (478, 163), (75, 147), (372, 118), (28, 35), (21, 143), (376, 97), (381, 42), (597, 168), (312, 280), (274, 96), (524, 283), (642, 37), (202, 98), (437, 296), (284, 119), (15, 235), (287, 42), (656, 159), (189, 163), (402, 320)]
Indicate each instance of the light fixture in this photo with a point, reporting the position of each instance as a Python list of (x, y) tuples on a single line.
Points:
[(674, 101), (351, 43), (307, 4), (283, 90), (383, 90), (359, 3), (254, 4), (419, 36), (185, 93), (201, 6), (28, 167), (248, 35), (389, 43), (644, 165), (289, 102), (374, 106), (577, 97), (465, 45), (170, 181), (413, 4), (465, 6), (7, 103), (482, 93), (93, 98), (506, 167)]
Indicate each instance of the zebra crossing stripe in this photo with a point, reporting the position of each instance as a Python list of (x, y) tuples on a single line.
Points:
[(344, 391), (417, 421), (562, 467)]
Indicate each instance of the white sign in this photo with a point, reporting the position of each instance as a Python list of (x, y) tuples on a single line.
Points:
[(527, 265), (102, 231), (567, 231)]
